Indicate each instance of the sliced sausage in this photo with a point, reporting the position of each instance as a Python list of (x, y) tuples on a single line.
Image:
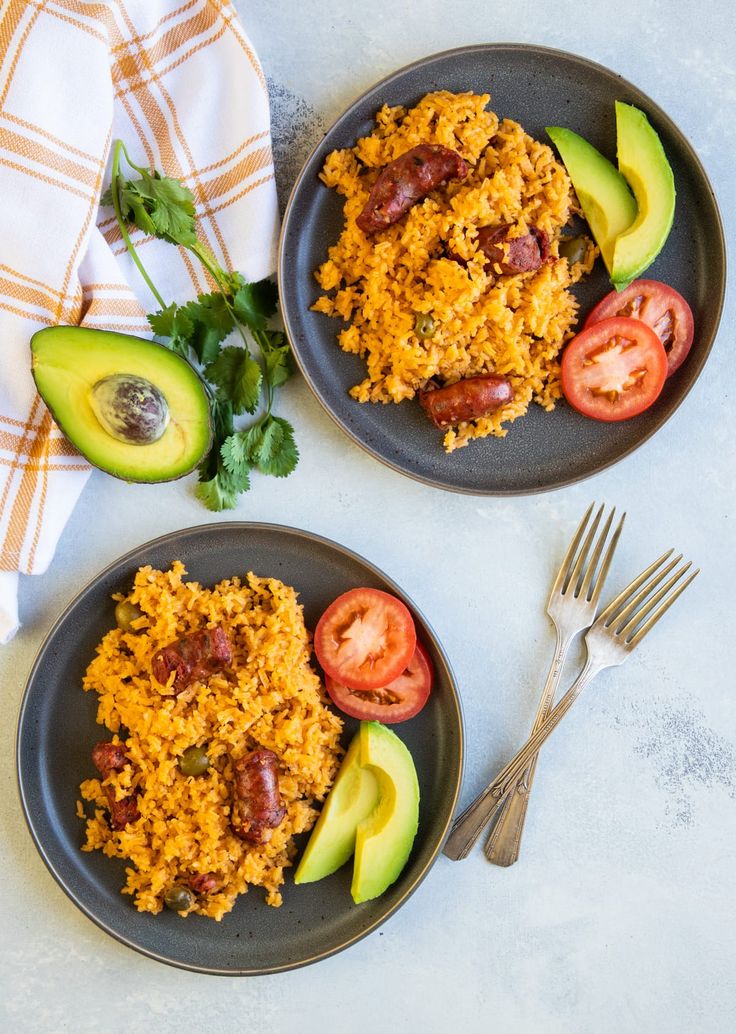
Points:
[(204, 883), (122, 812), (468, 399), (406, 180), (524, 254), (257, 805), (108, 758), (192, 658)]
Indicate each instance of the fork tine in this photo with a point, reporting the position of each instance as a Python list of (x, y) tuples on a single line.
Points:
[(603, 571), (631, 605), (607, 615), (592, 564), (571, 551), (649, 624), (626, 630), (575, 578)]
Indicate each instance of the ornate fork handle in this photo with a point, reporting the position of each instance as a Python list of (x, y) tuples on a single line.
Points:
[(469, 825), (502, 847)]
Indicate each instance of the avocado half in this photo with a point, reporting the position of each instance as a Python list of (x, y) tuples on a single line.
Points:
[(642, 161), (131, 406), (607, 203)]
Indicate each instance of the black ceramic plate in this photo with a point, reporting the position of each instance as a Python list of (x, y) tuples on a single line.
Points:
[(57, 730), (536, 87)]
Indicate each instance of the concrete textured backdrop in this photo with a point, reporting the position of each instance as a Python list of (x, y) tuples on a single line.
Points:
[(621, 915)]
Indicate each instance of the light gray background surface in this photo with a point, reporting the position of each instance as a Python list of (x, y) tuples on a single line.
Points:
[(621, 915)]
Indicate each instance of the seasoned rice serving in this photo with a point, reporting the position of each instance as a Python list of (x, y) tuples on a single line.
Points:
[(512, 325), (269, 698)]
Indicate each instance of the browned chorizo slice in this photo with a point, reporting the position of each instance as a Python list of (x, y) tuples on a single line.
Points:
[(257, 805), (522, 255), (108, 758), (406, 180), (204, 883), (468, 399), (194, 657), (122, 812)]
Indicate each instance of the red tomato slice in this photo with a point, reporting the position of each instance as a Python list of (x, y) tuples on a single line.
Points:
[(365, 639), (658, 305), (614, 369), (396, 702)]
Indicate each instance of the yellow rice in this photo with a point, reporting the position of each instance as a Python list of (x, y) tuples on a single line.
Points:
[(511, 325), (271, 698)]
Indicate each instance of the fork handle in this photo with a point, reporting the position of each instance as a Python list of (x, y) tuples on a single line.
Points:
[(469, 825), (504, 842)]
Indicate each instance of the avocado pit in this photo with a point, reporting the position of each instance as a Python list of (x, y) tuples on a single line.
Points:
[(133, 407), (130, 408)]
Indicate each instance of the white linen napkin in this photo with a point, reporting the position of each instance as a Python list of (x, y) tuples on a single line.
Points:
[(180, 84)]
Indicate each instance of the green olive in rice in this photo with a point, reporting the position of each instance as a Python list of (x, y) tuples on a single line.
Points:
[(178, 898), (125, 614), (574, 249), (424, 325), (194, 761)]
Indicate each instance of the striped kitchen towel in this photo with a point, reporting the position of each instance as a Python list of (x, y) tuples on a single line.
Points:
[(180, 84)]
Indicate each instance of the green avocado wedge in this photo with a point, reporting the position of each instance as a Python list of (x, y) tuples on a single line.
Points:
[(131, 406), (606, 201), (354, 795), (384, 838), (641, 159), (371, 810)]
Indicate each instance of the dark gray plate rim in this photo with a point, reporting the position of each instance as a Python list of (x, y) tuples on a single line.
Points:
[(390, 80), (454, 716)]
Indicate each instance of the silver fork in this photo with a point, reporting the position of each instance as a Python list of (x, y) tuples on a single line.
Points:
[(611, 638), (572, 604)]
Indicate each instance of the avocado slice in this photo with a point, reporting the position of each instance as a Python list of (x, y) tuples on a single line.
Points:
[(604, 197), (384, 838), (642, 161), (353, 796), (132, 407)]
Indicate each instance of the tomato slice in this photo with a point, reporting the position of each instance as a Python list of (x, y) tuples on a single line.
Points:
[(658, 305), (396, 702), (614, 370), (365, 639)]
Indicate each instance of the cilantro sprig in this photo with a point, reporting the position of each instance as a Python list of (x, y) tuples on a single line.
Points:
[(238, 382)]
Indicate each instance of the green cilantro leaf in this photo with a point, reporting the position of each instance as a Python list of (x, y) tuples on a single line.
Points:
[(169, 206), (254, 303), (277, 454), (276, 361), (238, 378), (235, 458), (219, 493), (173, 323), (222, 426), (222, 418), (158, 205), (212, 322)]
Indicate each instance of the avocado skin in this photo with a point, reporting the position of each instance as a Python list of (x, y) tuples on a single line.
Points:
[(642, 160), (353, 796), (384, 839), (66, 364), (606, 201)]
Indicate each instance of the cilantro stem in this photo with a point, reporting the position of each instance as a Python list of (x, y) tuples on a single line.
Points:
[(121, 222), (220, 277), (129, 160), (264, 344)]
